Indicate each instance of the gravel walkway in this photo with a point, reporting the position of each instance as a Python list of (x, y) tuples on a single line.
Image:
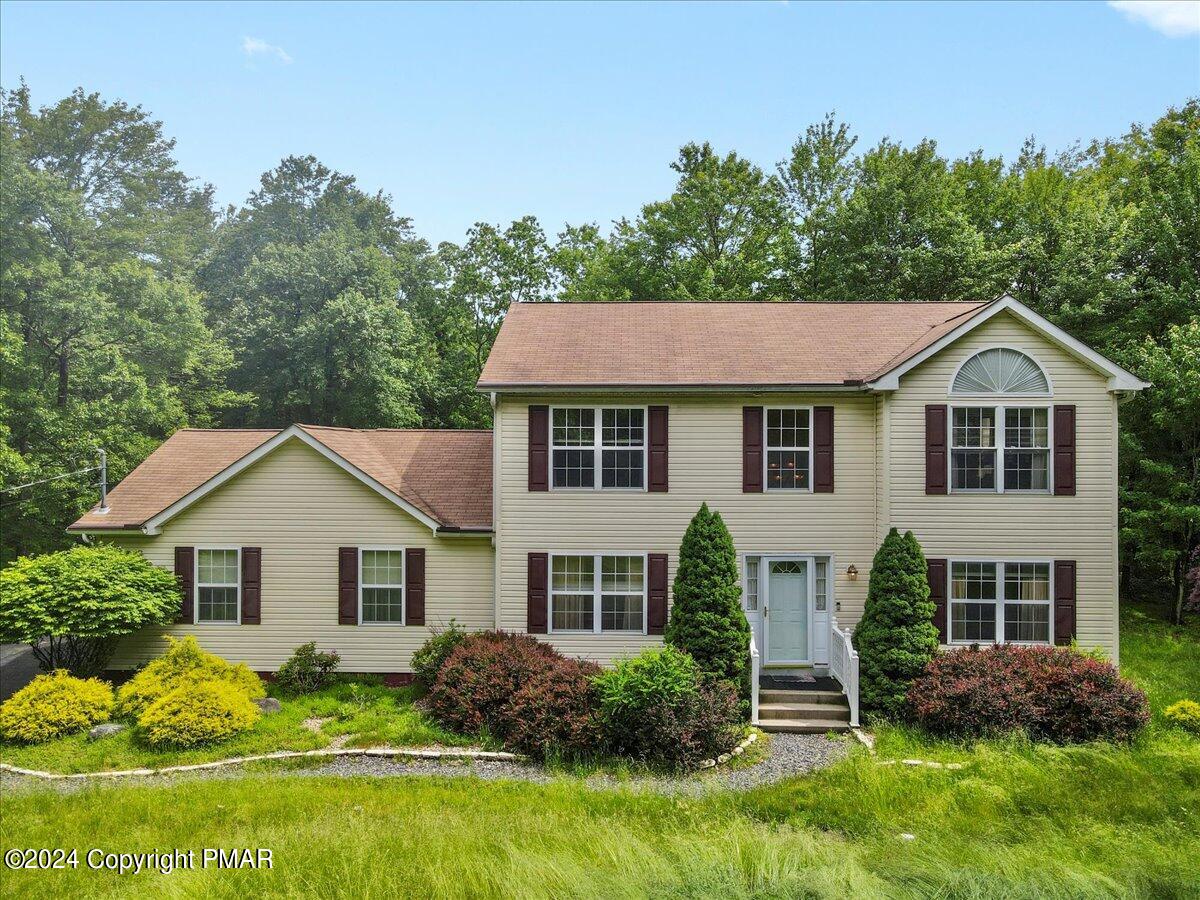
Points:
[(786, 755)]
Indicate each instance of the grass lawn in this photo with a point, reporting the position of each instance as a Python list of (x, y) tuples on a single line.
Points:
[(362, 714), (1017, 821)]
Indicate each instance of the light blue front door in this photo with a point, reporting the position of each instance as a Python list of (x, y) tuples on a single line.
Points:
[(787, 612)]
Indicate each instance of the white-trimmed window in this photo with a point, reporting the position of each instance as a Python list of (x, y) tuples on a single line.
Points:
[(381, 585), (1000, 602), (821, 584), (606, 439), (752, 564), (598, 593), (789, 448), (218, 585), (1000, 449)]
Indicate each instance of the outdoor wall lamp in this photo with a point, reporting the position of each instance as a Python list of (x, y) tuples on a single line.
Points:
[(852, 572)]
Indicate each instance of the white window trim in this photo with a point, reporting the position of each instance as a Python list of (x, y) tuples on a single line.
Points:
[(598, 448), (998, 603), (403, 587), (597, 575), (1049, 392), (767, 448), (814, 555), (1000, 406), (196, 620)]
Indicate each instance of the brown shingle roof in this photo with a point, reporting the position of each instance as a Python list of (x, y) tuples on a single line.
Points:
[(445, 474), (710, 344)]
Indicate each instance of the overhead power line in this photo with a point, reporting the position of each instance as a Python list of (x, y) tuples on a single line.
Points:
[(21, 487)]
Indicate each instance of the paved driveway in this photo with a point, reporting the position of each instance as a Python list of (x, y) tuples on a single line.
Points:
[(17, 668)]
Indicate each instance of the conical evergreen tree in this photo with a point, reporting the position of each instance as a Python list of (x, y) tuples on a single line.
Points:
[(706, 616), (896, 636)]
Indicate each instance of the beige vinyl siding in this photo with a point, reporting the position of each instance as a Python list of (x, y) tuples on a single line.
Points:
[(300, 508), (1013, 526), (705, 436)]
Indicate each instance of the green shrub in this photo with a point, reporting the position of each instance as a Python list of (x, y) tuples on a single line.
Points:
[(1184, 714), (197, 712), (707, 620), (184, 661), (72, 607), (657, 708), (307, 669), (428, 660), (54, 705), (896, 637)]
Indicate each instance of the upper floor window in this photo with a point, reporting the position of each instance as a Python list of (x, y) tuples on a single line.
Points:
[(609, 440), (789, 449), (986, 441), (1000, 370)]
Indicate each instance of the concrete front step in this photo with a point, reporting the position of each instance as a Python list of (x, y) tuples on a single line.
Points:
[(802, 726), (805, 711), (775, 695)]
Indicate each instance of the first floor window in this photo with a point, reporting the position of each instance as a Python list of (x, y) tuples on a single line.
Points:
[(382, 586), (217, 585), (1002, 602), (597, 593), (752, 583), (606, 440)]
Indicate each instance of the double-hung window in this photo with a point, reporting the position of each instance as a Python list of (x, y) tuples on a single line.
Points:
[(789, 449), (609, 440), (1001, 602), (598, 593), (381, 586), (218, 585), (1000, 449)]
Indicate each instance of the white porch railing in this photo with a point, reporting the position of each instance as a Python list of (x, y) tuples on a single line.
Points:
[(843, 665), (755, 674)]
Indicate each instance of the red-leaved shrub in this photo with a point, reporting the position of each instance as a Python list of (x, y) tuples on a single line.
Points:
[(554, 712), (681, 732), (478, 681), (1053, 693)]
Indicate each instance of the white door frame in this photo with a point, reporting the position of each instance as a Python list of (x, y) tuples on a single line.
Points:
[(764, 581)]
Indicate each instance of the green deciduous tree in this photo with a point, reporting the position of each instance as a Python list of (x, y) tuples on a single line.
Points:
[(73, 606), (896, 636), (706, 612)]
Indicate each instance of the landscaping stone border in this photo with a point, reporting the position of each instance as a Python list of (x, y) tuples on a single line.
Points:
[(282, 754), (736, 751)]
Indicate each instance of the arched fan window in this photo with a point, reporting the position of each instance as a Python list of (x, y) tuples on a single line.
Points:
[(1000, 371)]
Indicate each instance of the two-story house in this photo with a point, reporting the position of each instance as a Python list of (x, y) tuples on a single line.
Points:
[(811, 427)]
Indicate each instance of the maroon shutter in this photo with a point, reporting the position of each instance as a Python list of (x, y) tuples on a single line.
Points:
[(539, 448), (752, 449), (656, 610), (935, 448), (535, 601), (347, 585), (1064, 451), (1064, 601), (823, 449), (658, 450), (936, 569), (251, 585), (185, 571), (414, 586)]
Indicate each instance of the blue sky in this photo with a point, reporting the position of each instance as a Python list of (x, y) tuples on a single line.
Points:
[(573, 112)]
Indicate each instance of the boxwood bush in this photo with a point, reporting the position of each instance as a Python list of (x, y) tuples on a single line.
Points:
[(432, 655), (307, 669), (197, 712), (1052, 693), (54, 705), (184, 662)]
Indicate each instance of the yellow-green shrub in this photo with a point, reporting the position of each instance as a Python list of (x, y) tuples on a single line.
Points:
[(53, 705), (197, 712), (185, 662), (1185, 714)]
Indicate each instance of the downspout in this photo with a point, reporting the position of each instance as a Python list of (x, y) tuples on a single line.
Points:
[(494, 401)]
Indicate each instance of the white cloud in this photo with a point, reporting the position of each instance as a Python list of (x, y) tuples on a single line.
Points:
[(258, 47), (1174, 18)]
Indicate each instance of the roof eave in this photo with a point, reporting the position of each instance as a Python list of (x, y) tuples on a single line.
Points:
[(626, 388)]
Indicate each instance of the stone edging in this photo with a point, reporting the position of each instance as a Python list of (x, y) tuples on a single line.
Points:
[(736, 751), (868, 741), (282, 754)]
